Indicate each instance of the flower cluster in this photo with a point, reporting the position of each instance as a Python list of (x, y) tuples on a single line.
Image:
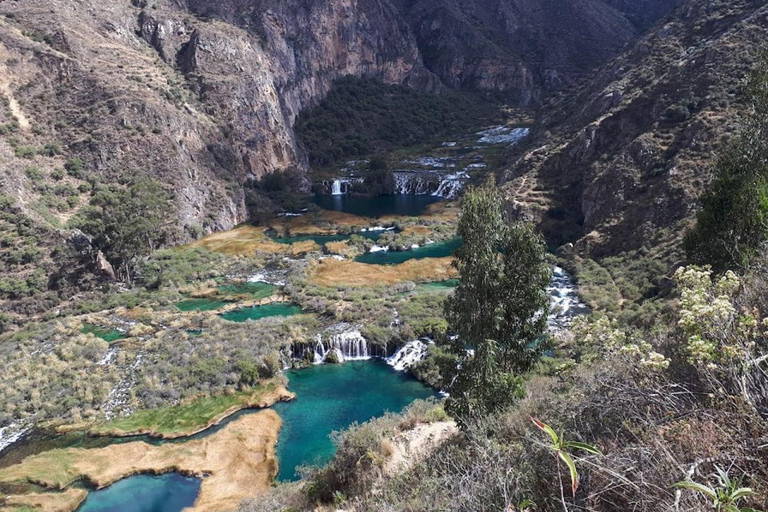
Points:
[(709, 318), (606, 335)]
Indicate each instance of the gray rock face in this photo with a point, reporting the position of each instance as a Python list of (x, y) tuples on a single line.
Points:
[(523, 48), (629, 151)]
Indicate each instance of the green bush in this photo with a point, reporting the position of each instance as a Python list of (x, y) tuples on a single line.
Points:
[(362, 116)]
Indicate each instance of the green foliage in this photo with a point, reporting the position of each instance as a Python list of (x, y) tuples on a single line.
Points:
[(501, 294), (187, 417), (362, 116), (176, 267), (726, 496), (127, 223), (560, 448), (733, 222), (499, 308), (76, 168), (283, 188), (379, 179)]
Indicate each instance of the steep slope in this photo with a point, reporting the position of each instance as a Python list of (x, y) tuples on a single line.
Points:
[(198, 103), (627, 154), (522, 48), (101, 92), (643, 13)]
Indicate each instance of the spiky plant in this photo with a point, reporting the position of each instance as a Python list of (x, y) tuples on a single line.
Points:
[(559, 448), (726, 496)]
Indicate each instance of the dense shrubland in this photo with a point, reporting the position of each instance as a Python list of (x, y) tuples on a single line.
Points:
[(664, 405), (362, 116)]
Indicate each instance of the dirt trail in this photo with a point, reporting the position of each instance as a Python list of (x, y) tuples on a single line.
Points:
[(5, 88), (413, 445)]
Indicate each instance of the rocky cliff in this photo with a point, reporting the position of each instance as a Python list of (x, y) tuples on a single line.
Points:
[(203, 95), (624, 157), (524, 48)]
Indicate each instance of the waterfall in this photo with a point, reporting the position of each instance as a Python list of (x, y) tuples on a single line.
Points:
[(451, 185), (344, 340), (502, 135), (432, 183), (415, 183), (12, 433), (409, 354), (564, 301), (340, 186)]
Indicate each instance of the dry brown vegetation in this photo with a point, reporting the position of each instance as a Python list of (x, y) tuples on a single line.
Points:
[(247, 240), (331, 272)]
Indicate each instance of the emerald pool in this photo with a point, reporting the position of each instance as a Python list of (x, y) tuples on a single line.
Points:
[(170, 492), (331, 397), (436, 250), (108, 335), (202, 304), (324, 239), (258, 312)]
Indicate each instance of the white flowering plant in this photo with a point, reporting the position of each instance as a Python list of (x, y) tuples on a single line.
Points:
[(716, 333), (609, 338), (723, 340)]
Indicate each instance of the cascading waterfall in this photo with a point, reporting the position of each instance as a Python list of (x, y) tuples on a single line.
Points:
[(564, 302), (432, 183), (344, 341), (409, 354), (415, 183), (340, 186)]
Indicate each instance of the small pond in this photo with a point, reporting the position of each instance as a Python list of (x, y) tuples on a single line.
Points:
[(170, 492), (331, 397), (108, 335), (258, 312), (436, 250)]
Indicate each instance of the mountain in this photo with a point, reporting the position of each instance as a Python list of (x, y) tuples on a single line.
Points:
[(618, 163), (203, 95), (519, 47)]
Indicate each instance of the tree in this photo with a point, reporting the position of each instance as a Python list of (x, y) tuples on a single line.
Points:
[(499, 309), (379, 180), (733, 221), (127, 223)]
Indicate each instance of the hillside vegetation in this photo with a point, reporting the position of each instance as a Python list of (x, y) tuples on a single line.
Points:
[(361, 117)]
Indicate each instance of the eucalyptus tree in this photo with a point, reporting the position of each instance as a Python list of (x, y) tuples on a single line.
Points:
[(499, 309)]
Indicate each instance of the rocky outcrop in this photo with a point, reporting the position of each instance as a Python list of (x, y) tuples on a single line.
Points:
[(522, 48), (200, 96), (627, 154)]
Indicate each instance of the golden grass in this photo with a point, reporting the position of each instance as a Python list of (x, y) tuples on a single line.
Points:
[(65, 501), (343, 248), (331, 272), (324, 222), (239, 459), (416, 230), (246, 240)]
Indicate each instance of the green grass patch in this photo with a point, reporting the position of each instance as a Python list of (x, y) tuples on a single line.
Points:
[(251, 290), (184, 419), (203, 304)]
